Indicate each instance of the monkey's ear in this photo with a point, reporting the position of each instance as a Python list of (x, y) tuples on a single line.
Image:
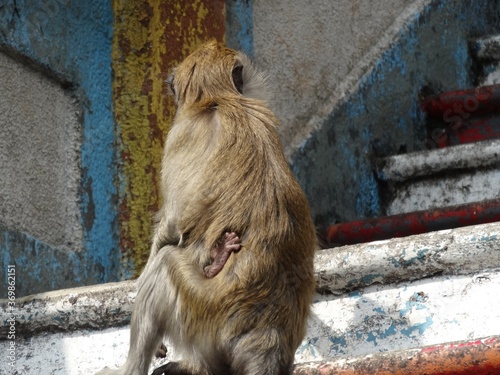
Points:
[(238, 77), (170, 82)]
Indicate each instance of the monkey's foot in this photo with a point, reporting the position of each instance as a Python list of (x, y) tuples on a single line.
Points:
[(220, 253), (171, 368), (161, 352)]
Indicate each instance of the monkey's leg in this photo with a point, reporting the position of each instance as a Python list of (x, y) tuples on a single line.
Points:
[(220, 253), (147, 326), (262, 352), (174, 368)]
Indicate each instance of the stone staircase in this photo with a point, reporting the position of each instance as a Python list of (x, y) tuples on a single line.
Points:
[(419, 302), (456, 181)]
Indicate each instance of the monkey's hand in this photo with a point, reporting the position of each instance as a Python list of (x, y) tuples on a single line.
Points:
[(220, 253)]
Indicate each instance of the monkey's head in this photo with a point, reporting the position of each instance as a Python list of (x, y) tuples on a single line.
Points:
[(214, 71)]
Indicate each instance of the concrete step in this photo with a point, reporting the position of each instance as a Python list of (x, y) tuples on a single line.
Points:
[(400, 168), (446, 190), (486, 53), (400, 294), (431, 190), (468, 172), (439, 178)]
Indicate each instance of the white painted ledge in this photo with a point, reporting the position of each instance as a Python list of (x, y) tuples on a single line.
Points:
[(397, 294), (487, 48), (425, 163), (338, 271)]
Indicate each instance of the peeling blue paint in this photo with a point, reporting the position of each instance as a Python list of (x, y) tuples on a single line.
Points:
[(372, 338), (416, 302), (484, 238), (379, 334), (420, 328), (309, 346), (355, 294), (420, 258), (368, 200), (338, 343), (239, 25), (40, 266)]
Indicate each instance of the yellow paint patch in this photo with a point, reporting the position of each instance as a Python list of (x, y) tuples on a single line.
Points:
[(150, 38)]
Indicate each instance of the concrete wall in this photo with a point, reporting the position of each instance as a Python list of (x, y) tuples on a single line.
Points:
[(40, 135), (71, 149), (312, 50), (381, 114)]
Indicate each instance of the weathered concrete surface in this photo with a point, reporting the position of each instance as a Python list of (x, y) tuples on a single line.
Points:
[(316, 52), (41, 266), (426, 163), (487, 54), (445, 190), (70, 41), (487, 48), (403, 315), (89, 307), (474, 356), (380, 113), (371, 320), (458, 303), (40, 135), (240, 25), (442, 177), (338, 271), (457, 251)]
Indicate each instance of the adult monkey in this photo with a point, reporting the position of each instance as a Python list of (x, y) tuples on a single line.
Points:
[(231, 199)]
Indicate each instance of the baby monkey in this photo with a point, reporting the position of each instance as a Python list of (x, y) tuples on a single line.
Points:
[(219, 254), (229, 280)]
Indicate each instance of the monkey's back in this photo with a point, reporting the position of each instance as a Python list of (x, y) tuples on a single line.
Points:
[(245, 185), (223, 170)]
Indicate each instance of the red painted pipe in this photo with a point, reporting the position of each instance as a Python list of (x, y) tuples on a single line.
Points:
[(461, 104), (477, 130), (478, 357), (403, 225)]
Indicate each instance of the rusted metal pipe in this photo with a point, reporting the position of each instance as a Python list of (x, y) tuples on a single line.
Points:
[(477, 357), (476, 130), (403, 225), (462, 103)]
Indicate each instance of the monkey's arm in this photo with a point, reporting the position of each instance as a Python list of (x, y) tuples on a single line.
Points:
[(166, 234)]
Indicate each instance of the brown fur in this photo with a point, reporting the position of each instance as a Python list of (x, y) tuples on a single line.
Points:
[(224, 170)]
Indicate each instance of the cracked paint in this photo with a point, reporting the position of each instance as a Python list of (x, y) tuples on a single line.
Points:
[(150, 39)]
